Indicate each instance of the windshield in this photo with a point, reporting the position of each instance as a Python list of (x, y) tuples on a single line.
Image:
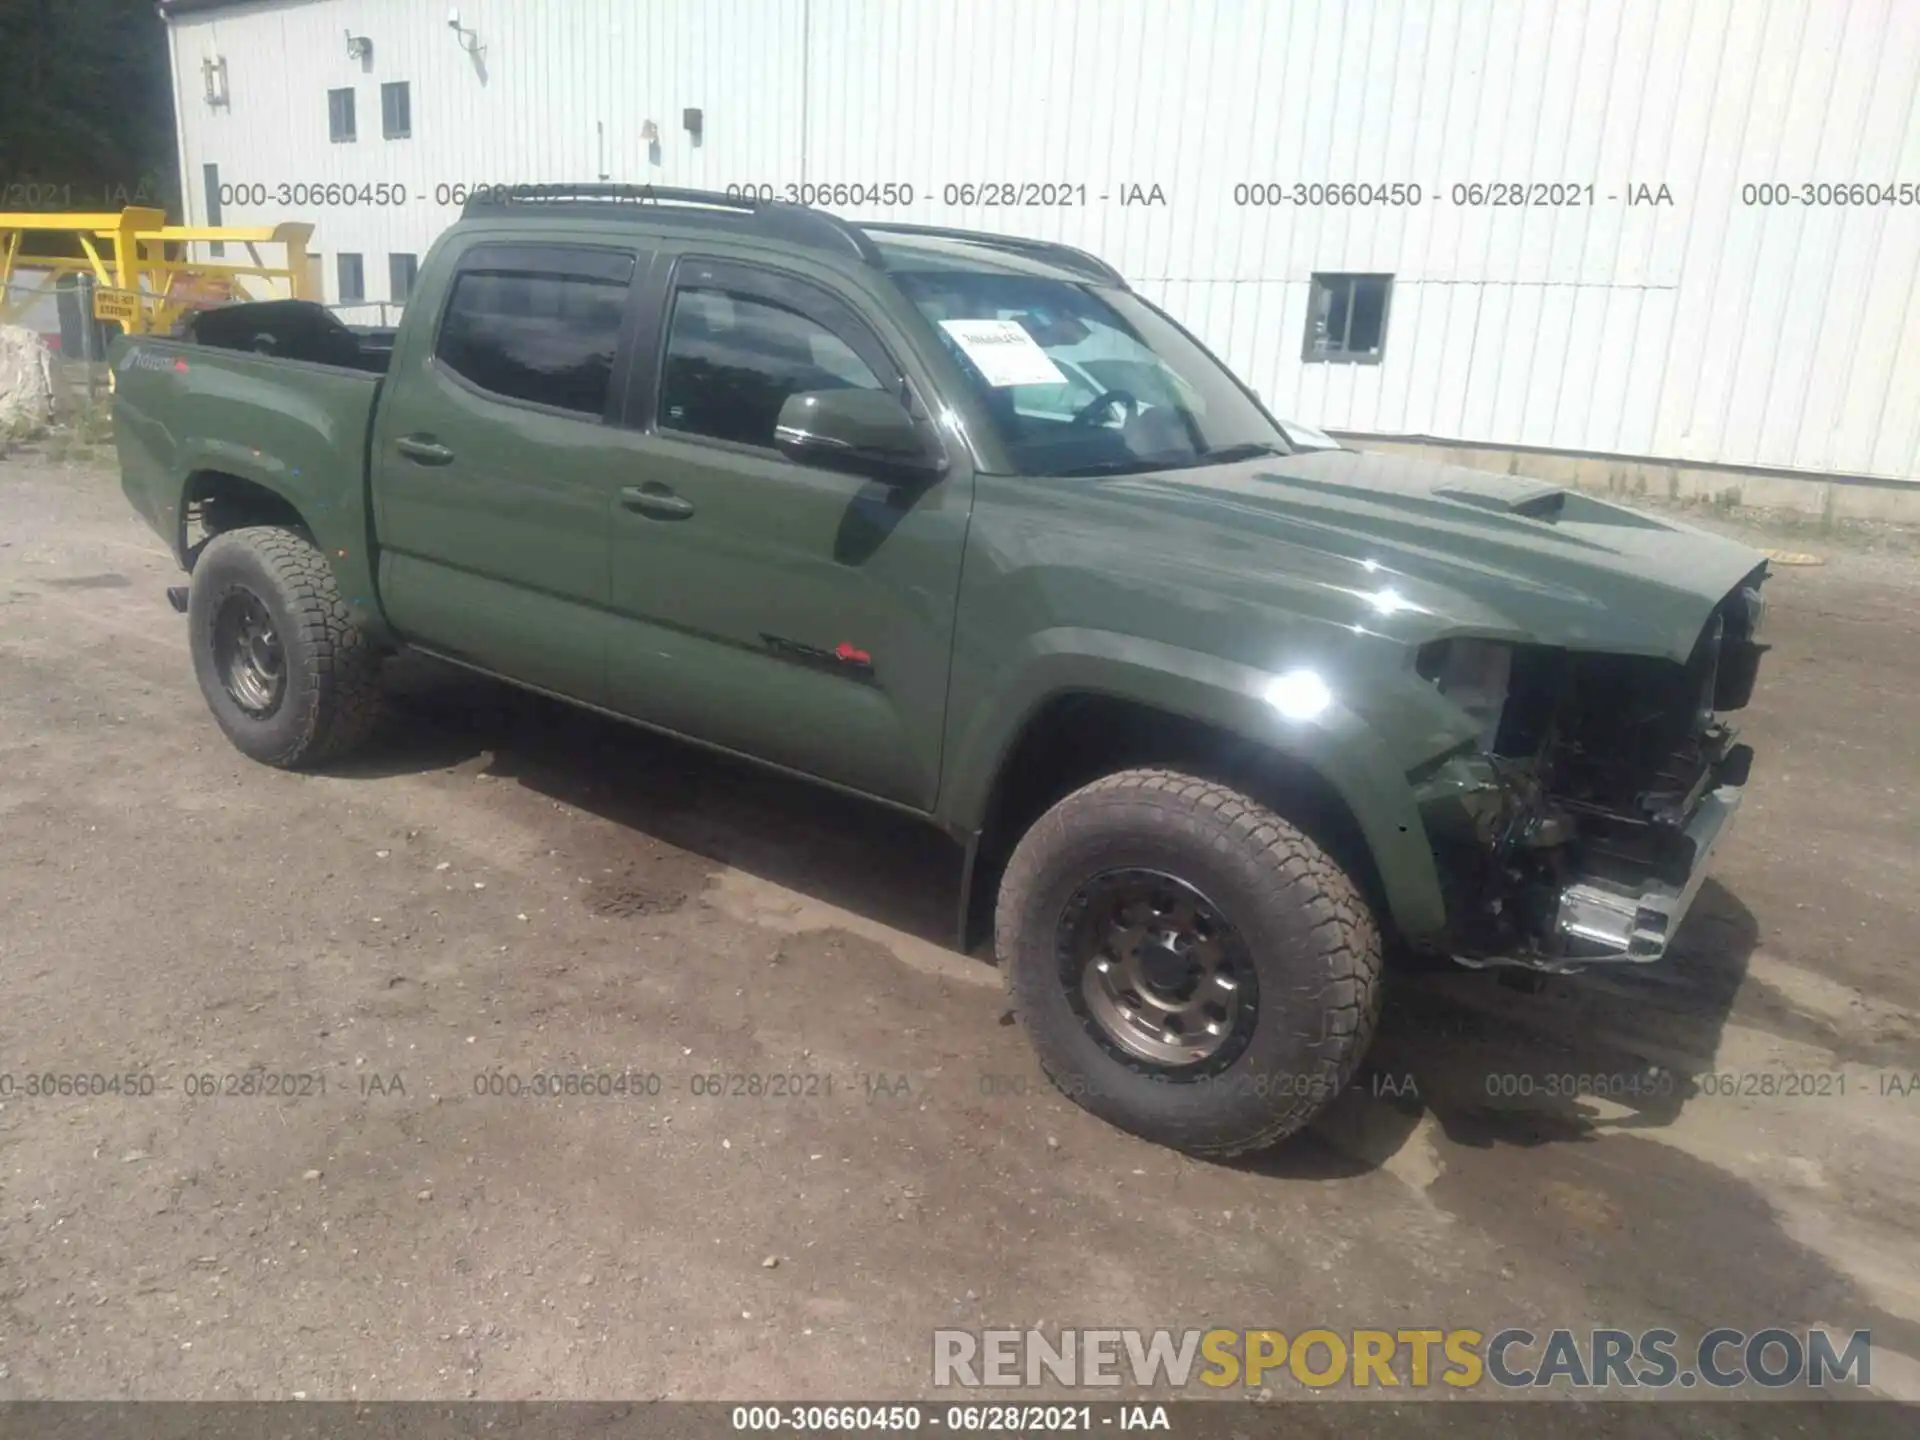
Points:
[(1080, 381)]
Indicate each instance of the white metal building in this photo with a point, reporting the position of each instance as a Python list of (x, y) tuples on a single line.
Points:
[(1714, 261)]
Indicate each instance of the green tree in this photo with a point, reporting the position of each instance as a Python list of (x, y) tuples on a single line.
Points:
[(86, 103)]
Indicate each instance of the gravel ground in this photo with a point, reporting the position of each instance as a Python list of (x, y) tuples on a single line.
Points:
[(504, 888)]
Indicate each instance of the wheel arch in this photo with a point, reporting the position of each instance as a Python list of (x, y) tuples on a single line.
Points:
[(225, 493), (223, 499), (1330, 782)]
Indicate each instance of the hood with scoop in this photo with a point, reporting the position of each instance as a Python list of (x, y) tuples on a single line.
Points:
[(1518, 558)]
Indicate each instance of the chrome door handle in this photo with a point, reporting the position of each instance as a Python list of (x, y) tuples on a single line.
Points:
[(422, 451), (656, 500)]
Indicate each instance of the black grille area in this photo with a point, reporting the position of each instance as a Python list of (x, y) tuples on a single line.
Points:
[(1603, 759), (1610, 728), (1626, 735)]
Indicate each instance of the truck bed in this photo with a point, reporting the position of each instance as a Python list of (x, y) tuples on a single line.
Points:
[(291, 330), (189, 409)]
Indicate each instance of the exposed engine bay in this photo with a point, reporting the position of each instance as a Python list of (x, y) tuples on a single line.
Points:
[(1579, 832)]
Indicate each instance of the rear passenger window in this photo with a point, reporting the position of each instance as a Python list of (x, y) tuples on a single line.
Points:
[(732, 361), (548, 339)]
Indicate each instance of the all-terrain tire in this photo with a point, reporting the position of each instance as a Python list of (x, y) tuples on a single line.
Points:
[(1309, 934), (331, 700)]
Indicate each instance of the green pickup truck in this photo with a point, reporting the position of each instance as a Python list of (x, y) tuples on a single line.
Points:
[(1219, 712)]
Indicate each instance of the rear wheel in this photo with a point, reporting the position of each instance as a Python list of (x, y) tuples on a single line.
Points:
[(289, 677), (1189, 966)]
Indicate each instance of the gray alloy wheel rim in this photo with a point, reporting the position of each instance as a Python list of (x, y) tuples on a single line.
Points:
[(248, 654), (1155, 971)]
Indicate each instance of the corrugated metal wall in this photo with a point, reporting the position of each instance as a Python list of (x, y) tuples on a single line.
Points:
[(559, 90), (1705, 329)]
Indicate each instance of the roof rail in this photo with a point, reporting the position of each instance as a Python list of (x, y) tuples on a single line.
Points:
[(1065, 256), (800, 224)]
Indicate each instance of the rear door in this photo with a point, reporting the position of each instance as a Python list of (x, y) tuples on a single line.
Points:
[(494, 454), (797, 614)]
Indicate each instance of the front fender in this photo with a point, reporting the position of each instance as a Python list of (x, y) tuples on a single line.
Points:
[(1362, 744)]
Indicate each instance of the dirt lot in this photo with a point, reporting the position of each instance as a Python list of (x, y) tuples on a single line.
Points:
[(508, 888)]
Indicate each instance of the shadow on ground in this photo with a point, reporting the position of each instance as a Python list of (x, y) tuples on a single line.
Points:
[(1526, 1061), (1496, 1064), (846, 852), (1535, 1093)]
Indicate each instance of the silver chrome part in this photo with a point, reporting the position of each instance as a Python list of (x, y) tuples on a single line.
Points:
[(1602, 922), (1620, 924)]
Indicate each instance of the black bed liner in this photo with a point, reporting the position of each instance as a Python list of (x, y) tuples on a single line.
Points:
[(291, 330)]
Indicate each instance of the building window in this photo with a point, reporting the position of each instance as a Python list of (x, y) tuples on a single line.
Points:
[(353, 278), (547, 339), (400, 272), (340, 115), (211, 174), (733, 361), (1347, 318), (396, 111)]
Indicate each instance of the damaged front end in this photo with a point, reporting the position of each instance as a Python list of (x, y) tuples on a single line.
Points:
[(1577, 832)]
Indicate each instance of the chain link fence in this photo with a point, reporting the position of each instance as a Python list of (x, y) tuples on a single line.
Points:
[(60, 311)]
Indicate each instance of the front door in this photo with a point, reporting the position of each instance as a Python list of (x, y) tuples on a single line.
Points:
[(797, 614)]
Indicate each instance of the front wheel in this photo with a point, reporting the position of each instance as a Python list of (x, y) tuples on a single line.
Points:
[(1189, 966), (289, 677)]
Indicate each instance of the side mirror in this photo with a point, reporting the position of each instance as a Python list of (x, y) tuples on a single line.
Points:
[(865, 432)]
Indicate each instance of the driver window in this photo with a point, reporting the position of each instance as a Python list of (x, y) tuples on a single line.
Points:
[(835, 357), (733, 360)]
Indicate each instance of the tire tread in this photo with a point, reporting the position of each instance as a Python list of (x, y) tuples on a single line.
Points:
[(1346, 939), (346, 702)]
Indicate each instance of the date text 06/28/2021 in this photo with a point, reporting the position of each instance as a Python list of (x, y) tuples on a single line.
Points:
[(1058, 193)]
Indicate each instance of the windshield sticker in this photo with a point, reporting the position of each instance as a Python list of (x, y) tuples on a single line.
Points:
[(1005, 353)]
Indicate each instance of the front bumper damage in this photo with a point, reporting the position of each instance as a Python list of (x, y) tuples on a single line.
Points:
[(1534, 887), (1604, 919), (1577, 829)]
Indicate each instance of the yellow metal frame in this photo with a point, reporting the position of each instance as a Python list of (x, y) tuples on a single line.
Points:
[(138, 267)]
